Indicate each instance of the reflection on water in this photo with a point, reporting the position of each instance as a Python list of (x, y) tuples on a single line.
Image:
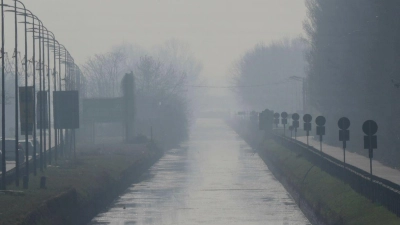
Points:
[(214, 178)]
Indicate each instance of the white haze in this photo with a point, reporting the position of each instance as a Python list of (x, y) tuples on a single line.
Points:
[(218, 31)]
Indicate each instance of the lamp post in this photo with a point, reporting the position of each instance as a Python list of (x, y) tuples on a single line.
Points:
[(40, 65), (48, 83), (55, 89), (16, 97), (26, 96), (3, 108), (43, 98), (42, 154), (64, 54), (34, 89)]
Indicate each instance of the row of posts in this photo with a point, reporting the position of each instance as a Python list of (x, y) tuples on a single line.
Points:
[(72, 79), (267, 118)]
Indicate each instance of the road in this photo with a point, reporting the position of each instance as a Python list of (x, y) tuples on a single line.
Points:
[(214, 178), (360, 161), (11, 164)]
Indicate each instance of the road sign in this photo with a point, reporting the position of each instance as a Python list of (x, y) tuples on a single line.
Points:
[(307, 127), (307, 118), (320, 121), (27, 108), (284, 116), (276, 120), (66, 109), (295, 116), (370, 140), (320, 130), (344, 123), (295, 123), (370, 127), (344, 135), (42, 110)]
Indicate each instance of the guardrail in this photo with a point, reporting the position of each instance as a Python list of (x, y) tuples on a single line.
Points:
[(375, 188)]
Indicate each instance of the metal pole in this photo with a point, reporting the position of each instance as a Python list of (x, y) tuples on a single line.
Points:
[(26, 98), (55, 89), (59, 85), (42, 72), (320, 142), (284, 130), (34, 98), (3, 108), (16, 98), (49, 93), (44, 98)]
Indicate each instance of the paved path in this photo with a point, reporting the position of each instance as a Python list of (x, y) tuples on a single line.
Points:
[(360, 161)]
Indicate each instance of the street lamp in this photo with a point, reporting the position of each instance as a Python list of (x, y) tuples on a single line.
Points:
[(25, 182), (34, 87), (3, 108), (48, 83), (15, 92), (41, 70)]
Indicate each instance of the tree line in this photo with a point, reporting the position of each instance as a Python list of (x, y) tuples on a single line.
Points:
[(161, 77), (349, 63), (353, 68)]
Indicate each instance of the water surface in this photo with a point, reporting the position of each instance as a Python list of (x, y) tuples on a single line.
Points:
[(214, 178)]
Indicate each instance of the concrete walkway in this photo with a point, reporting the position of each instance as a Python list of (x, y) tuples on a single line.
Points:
[(362, 162)]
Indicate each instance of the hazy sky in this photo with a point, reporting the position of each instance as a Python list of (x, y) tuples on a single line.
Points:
[(218, 31)]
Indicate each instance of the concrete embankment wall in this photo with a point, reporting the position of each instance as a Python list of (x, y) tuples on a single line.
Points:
[(66, 208)]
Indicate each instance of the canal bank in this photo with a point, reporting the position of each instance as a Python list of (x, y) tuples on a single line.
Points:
[(76, 191), (323, 198)]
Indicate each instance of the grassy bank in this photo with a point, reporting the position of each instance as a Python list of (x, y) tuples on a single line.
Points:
[(332, 200), (96, 171)]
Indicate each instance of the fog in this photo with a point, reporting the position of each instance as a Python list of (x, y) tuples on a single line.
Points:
[(194, 101), (218, 32)]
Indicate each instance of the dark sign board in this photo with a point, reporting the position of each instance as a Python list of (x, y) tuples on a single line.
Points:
[(27, 108), (42, 111), (103, 110), (66, 109)]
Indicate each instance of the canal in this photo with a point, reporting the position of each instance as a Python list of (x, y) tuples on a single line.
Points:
[(214, 178)]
